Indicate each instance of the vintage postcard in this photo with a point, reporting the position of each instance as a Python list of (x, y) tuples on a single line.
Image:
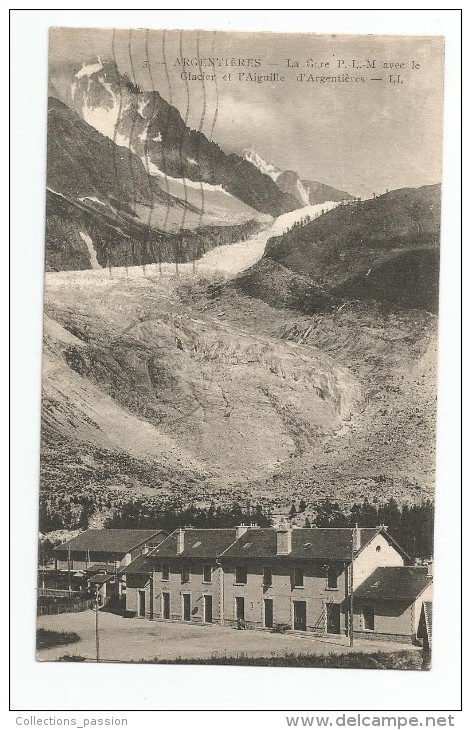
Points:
[(240, 344)]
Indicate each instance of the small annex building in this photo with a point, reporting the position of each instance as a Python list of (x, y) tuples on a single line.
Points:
[(389, 603), (95, 558)]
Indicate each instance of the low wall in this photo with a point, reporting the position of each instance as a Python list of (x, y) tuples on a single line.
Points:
[(377, 636)]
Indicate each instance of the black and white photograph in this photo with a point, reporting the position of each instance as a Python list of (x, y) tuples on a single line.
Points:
[(241, 302)]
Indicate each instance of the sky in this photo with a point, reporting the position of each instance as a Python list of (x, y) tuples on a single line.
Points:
[(360, 136)]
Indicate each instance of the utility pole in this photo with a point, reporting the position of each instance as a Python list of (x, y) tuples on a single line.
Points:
[(97, 636), (351, 591), (68, 569), (42, 560), (151, 596)]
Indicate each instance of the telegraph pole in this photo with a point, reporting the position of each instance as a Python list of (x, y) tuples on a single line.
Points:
[(97, 637), (68, 569), (42, 561), (351, 591), (151, 596)]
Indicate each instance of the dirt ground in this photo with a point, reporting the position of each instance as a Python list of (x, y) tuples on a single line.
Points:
[(131, 639)]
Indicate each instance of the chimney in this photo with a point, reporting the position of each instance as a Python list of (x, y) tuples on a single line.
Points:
[(430, 569), (241, 530), (356, 538), (180, 540), (145, 550), (283, 539)]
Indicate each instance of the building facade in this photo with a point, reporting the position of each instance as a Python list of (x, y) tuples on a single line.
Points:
[(181, 579), (300, 579), (284, 578)]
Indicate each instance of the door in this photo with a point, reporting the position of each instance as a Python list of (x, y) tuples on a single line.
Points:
[(166, 605), (333, 618), (240, 608), (268, 613), (299, 622), (186, 599), (208, 609), (368, 618), (141, 604)]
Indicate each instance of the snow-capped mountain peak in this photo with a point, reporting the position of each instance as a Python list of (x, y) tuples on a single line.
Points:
[(306, 192), (257, 161)]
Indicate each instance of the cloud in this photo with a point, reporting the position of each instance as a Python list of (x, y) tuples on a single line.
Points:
[(245, 118)]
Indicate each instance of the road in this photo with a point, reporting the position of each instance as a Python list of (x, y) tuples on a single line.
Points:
[(132, 639)]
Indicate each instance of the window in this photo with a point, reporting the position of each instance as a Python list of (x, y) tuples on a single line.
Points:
[(267, 577), (207, 574), (378, 548), (368, 618), (240, 575), (298, 577), (332, 578), (185, 573), (165, 571)]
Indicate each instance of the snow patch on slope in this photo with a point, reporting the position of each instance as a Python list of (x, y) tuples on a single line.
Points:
[(103, 119), (91, 249), (89, 70), (303, 193), (184, 181), (93, 199)]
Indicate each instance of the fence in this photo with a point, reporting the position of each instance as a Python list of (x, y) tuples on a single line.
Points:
[(56, 592), (74, 605)]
